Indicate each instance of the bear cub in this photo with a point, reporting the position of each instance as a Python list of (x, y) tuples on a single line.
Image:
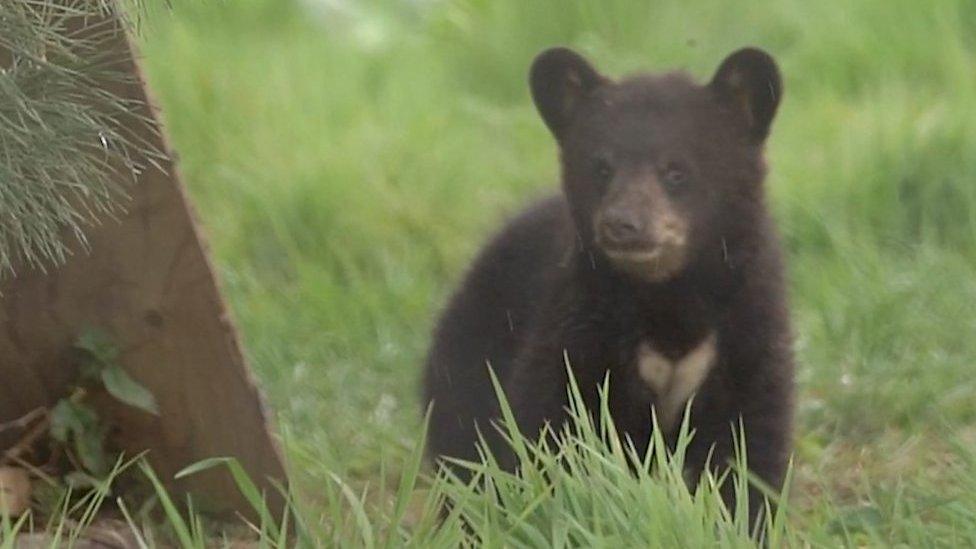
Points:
[(657, 264)]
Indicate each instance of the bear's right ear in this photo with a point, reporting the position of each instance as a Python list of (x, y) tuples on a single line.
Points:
[(560, 79)]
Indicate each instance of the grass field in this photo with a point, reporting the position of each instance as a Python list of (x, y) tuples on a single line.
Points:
[(348, 158)]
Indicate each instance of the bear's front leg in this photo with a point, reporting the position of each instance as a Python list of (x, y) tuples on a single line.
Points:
[(537, 394), (767, 446), (537, 389)]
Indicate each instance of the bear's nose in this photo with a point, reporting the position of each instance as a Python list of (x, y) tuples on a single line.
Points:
[(621, 227)]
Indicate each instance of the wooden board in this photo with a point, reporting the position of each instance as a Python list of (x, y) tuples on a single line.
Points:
[(147, 283)]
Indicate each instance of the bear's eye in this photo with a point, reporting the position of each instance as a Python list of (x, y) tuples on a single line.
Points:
[(602, 170), (675, 177)]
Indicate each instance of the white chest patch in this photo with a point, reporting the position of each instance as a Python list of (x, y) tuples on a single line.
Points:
[(674, 381)]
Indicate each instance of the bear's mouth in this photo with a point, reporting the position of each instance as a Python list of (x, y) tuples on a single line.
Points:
[(652, 264), (634, 255)]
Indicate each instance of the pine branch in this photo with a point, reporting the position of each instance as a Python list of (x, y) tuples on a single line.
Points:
[(68, 146)]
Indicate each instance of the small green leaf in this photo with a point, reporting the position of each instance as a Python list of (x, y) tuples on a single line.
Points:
[(98, 345), (78, 424), (90, 448), (69, 418), (61, 421), (97, 352), (121, 386)]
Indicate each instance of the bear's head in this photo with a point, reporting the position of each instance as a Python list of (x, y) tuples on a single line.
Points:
[(659, 170)]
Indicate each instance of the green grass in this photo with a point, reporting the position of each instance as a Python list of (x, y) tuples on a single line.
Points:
[(348, 162), (592, 491)]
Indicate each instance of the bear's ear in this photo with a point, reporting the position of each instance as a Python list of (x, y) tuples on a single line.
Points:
[(749, 81), (560, 79)]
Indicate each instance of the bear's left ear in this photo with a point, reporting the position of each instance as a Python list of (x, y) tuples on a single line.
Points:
[(749, 81), (560, 80)]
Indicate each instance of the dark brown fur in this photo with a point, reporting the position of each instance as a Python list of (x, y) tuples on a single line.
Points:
[(547, 284)]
